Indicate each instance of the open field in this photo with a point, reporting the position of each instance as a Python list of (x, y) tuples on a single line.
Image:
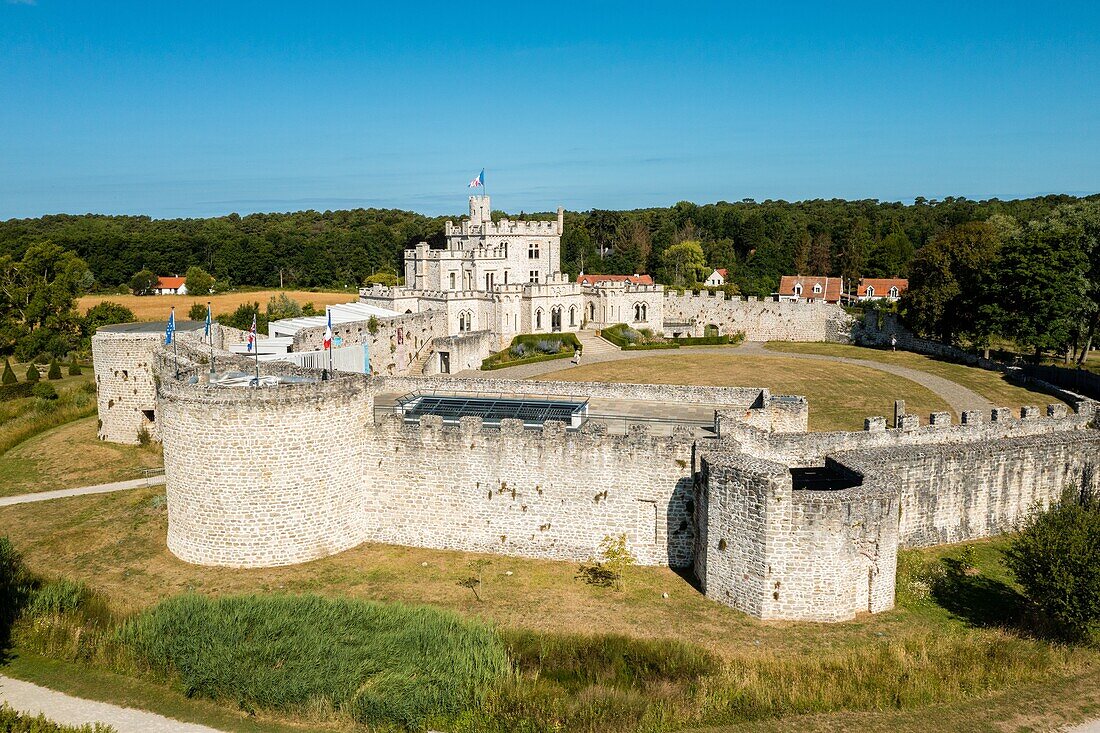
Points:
[(69, 456), (930, 650), (991, 385), (840, 395), (156, 307)]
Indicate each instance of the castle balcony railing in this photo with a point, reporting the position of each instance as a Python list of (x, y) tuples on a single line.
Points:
[(344, 359)]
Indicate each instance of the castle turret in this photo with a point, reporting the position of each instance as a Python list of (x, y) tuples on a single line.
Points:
[(480, 210), (561, 220)]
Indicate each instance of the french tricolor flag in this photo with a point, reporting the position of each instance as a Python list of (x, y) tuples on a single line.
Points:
[(478, 182), (327, 340)]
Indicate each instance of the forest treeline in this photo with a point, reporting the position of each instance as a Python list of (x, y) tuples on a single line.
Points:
[(756, 241), (1025, 270)]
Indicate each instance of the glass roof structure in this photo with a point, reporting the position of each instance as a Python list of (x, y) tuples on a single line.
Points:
[(534, 411)]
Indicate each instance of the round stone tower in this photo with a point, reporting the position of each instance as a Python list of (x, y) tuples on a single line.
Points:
[(263, 477)]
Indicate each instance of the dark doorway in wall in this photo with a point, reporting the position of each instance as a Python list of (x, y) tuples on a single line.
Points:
[(445, 362), (150, 415), (822, 478)]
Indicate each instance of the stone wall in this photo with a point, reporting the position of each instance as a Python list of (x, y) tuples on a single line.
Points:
[(400, 344), (126, 393), (464, 352), (776, 553), (810, 449), (951, 493), (760, 320), (261, 478), (546, 493)]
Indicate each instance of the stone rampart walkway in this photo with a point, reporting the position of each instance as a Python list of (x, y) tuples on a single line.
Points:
[(61, 708), (137, 483), (960, 398)]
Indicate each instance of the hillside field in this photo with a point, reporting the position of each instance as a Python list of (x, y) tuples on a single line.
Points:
[(157, 307)]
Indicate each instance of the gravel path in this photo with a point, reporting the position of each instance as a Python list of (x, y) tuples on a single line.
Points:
[(61, 708), (137, 483), (960, 398)]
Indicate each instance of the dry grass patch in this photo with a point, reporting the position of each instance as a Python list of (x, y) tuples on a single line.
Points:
[(156, 307), (840, 395), (991, 385), (71, 456)]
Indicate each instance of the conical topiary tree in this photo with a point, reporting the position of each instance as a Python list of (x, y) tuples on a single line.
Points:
[(55, 369), (9, 374), (32, 373), (74, 368)]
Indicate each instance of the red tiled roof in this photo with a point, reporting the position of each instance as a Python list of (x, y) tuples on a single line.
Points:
[(830, 287), (632, 279), (722, 271), (882, 285), (170, 283)]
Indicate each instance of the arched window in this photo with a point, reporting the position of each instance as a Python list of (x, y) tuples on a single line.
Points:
[(469, 320), (798, 290), (572, 315), (504, 245), (870, 291), (591, 311), (452, 281), (645, 314), (538, 319), (894, 291)]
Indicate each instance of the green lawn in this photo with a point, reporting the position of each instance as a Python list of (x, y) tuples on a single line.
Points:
[(840, 395), (953, 648), (991, 385)]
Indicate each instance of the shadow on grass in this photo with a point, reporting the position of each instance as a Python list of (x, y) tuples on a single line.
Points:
[(980, 600)]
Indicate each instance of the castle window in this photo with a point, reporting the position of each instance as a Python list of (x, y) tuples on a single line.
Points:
[(538, 319), (894, 291), (504, 246), (870, 291), (572, 315), (591, 311), (534, 276), (488, 281), (452, 281), (533, 250)]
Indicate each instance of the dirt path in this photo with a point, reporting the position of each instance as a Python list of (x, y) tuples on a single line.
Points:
[(137, 483), (61, 708), (960, 398)]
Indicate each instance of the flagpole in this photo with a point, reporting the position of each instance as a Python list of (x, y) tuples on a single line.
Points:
[(175, 352), (257, 344), (210, 334), (328, 312)]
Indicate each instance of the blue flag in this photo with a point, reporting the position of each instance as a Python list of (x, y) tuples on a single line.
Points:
[(170, 331)]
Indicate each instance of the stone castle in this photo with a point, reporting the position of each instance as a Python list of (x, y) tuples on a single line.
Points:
[(773, 520)]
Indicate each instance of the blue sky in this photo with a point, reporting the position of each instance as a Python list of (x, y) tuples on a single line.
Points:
[(203, 108)]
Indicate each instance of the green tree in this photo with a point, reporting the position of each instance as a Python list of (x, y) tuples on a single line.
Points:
[(578, 251), (144, 282), (199, 282), (55, 369), (1040, 283), (32, 373), (953, 262), (387, 278), (242, 317), (9, 374), (37, 298), (821, 255), (282, 306), (890, 256), (684, 263), (197, 312), (105, 314), (1054, 560)]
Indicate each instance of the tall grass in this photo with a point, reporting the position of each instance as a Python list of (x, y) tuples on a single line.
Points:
[(379, 663), (29, 417)]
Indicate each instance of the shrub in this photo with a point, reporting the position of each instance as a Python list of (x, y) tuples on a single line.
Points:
[(381, 663), (12, 721), (547, 346), (143, 282), (9, 374), (1054, 560), (32, 373), (197, 312), (143, 436), (518, 351), (44, 391), (74, 369), (281, 306), (372, 325), (55, 370), (15, 391), (16, 585)]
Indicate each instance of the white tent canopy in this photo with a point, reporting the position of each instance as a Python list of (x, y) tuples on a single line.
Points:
[(341, 313)]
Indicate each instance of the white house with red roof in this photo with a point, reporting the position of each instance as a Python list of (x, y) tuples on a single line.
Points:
[(811, 288), (881, 288), (171, 286), (717, 278)]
